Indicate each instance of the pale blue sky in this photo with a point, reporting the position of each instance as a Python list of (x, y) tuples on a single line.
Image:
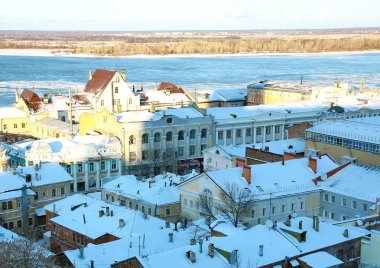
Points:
[(135, 15)]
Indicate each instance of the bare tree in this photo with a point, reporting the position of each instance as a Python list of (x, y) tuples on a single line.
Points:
[(207, 204), (22, 252), (235, 203)]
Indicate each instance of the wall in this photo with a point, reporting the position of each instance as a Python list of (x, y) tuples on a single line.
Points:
[(336, 152), (298, 130)]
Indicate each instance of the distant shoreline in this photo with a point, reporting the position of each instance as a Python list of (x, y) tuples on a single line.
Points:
[(54, 53)]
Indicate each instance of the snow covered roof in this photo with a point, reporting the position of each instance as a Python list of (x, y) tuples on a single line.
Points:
[(14, 194), (12, 112), (162, 97), (158, 193), (58, 125), (145, 116), (151, 243), (348, 129), (73, 209), (219, 95), (7, 235), (277, 147), (320, 259), (357, 181), (367, 120), (277, 243), (58, 149), (249, 111), (48, 173), (293, 177)]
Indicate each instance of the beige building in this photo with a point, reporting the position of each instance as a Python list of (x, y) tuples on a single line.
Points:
[(278, 189), (355, 139)]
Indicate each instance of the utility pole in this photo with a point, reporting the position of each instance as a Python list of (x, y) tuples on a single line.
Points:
[(71, 114)]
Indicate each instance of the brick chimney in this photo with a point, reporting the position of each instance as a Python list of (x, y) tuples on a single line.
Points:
[(313, 164), (247, 174)]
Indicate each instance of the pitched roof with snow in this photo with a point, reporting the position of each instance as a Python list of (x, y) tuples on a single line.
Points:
[(160, 192), (99, 81), (48, 173), (31, 99), (277, 243), (356, 181), (274, 178), (12, 112), (151, 243), (73, 209)]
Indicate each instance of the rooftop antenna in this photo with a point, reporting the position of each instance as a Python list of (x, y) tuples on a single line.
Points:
[(71, 114)]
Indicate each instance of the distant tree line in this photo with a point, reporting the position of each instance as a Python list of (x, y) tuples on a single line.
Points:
[(161, 46)]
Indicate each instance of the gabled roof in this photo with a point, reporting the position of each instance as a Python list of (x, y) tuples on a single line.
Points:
[(99, 81), (31, 99)]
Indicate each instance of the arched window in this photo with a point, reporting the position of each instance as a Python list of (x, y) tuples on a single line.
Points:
[(132, 139), (180, 135), (169, 136), (192, 134), (203, 133), (145, 138), (157, 137)]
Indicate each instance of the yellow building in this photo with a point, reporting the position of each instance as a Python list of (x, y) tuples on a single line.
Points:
[(347, 140), (269, 92)]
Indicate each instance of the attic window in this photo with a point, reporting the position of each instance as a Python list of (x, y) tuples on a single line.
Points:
[(169, 120)]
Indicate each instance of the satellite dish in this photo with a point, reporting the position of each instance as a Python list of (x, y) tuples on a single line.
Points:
[(269, 223), (324, 177)]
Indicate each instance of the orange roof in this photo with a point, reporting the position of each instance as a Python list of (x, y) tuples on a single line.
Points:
[(31, 99), (99, 81), (170, 86)]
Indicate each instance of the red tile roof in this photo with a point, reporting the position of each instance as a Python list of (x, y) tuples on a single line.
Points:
[(170, 86), (31, 100), (99, 81)]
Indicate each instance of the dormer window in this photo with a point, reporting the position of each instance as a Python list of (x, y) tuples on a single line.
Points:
[(169, 120)]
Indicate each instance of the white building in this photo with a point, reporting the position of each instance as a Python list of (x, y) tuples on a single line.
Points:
[(89, 159), (108, 89)]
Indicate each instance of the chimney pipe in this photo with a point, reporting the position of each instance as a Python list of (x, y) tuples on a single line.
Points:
[(313, 164), (84, 219), (317, 224), (167, 224), (200, 245), (53, 208), (211, 250), (81, 252), (107, 211), (150, 184), (266, 148), (247, 174), (92, 264), (170, 237), (300, 225), (345, 233), (261, 250), (111, 213), (101, 213)]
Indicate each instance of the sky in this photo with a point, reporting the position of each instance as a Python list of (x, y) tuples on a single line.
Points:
[(160, 15)]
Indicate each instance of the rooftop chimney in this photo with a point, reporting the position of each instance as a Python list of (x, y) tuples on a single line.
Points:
[(81, 252), (200, 245), (167, 224), (261, 250), (101, 213), (111, 213), (92, 264), (300, 225), (121, 223), (233, 257), (266, 148), (35, 167), (317, 224), (211, 250), (313, 164), (191, 256), (107, 211), (345, 233), (288, 221), (247, 174), (193, 241), (170, 237)]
